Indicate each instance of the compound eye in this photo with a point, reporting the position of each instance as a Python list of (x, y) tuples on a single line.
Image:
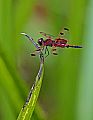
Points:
[(40, 41)]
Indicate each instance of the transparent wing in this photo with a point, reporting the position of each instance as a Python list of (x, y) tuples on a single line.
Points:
[(47, 35), (63, 33)]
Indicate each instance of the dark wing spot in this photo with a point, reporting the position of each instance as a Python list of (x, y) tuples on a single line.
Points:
[(61, 33), (66, 29)]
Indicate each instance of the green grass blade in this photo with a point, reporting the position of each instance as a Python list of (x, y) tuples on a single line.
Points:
[(6, 81), (85, 91), (28, 108), (6, 111)]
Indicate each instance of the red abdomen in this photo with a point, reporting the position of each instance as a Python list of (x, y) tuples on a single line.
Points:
[(60, 42)]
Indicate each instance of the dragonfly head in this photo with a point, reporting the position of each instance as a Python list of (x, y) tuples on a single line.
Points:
[(40, 41)]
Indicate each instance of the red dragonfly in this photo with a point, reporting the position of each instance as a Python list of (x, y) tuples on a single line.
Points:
[(50, 41), (60, 41)]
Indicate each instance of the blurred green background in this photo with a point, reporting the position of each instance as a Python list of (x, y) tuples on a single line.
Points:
[(67, 89)]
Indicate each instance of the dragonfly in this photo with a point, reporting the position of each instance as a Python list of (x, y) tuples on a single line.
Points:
[(51, 41)]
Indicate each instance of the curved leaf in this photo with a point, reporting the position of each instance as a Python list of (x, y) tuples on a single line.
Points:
[(28, 108)]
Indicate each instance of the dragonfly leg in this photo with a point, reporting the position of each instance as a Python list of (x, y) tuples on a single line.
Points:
[(54, 51), (41, 56), (46, 50)]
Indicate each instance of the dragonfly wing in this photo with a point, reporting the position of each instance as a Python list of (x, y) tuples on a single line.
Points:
[(63, 32), (47, 35)]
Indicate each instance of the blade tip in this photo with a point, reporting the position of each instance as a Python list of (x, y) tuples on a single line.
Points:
[(23, 33)]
